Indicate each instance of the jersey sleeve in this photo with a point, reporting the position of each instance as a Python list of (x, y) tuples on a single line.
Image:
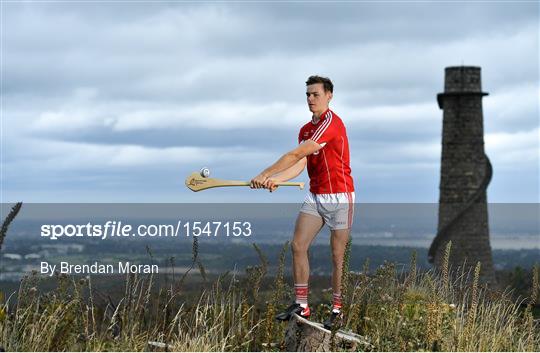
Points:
[(300, 138), (325, 132)]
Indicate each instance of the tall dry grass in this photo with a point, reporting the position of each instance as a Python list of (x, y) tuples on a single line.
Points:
[(450, 310)]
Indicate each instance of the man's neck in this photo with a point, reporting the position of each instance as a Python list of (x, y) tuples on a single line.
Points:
[(317, 116)]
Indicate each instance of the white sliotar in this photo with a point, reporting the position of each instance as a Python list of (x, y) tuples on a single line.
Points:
[(205, 172)]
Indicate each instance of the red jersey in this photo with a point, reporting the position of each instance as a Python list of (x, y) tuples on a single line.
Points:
[(329, 168)]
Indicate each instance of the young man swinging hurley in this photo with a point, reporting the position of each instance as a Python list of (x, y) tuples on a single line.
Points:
[(324, 147)]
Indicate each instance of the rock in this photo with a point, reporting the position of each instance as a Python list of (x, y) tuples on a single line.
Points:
[(303, 335)]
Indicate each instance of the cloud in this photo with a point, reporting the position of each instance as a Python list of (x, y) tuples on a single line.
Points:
[(195, 52), (124, 96), (513, 109), (515, 150), (84, 157)]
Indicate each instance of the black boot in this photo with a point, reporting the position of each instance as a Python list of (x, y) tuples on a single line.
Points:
[(332, 320), (294, 308)]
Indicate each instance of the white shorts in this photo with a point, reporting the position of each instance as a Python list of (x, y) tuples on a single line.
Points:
[(336, 210)]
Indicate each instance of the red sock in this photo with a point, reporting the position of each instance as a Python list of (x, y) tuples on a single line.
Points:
[(336, 302), (301, 293)]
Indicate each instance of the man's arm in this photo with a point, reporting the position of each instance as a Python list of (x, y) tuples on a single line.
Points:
[(286, 175), (291, 172), (286, 161)]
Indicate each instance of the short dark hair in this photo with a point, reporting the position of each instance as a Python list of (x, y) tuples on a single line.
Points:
[(327, 84)]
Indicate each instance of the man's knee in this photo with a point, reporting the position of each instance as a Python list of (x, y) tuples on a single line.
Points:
[(298, 248), (337, 256)]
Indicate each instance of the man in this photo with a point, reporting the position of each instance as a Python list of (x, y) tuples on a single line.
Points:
[(324, 148)]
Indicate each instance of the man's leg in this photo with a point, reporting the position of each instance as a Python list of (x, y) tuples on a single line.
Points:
[(338, 242), (307, 227), (341, 218)]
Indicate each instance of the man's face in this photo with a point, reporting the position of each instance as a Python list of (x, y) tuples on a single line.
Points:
[(317, 98)]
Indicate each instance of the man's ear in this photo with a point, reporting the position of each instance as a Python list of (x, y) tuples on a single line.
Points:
[(330, 96)]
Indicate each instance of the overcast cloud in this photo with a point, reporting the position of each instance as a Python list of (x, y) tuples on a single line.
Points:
[(119, 102)]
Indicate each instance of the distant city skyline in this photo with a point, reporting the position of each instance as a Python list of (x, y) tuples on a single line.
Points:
[(114, 102)]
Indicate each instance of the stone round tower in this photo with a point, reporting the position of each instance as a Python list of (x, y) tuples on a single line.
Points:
[(465, 174)]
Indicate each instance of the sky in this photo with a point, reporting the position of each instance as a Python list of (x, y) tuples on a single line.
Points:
[(120, 101)]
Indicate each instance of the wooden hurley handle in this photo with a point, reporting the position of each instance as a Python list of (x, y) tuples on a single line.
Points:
[(196, 182), (300, 184)]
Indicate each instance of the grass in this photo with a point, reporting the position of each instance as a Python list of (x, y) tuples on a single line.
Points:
[(446, 310), (413, 311)]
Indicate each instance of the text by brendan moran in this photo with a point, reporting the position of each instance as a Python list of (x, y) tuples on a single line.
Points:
[(121, 267)]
